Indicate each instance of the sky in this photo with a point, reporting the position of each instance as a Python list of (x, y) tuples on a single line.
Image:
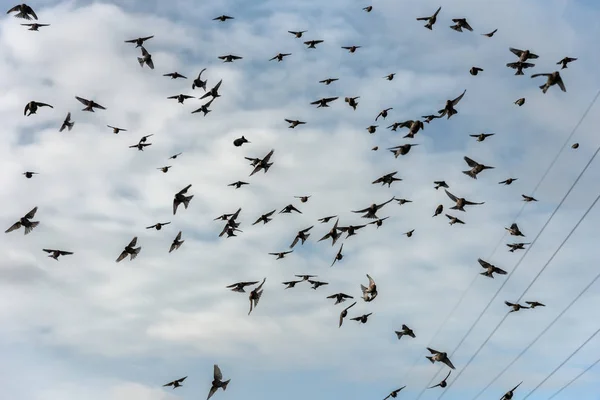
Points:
[(87, 327)]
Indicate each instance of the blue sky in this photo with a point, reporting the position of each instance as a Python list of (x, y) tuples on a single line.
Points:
[(86, 327)]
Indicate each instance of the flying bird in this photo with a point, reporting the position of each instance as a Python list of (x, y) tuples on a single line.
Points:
[(312, 43), (67, 123), (370, 292), (176, 383), (490, 269), (443, 383), (240, 141), (383, 113), (562, 62), (223, 18), (229, 58), (439, 357), (475, 70), (351, 49), (130, 250), (214, 92), (89, 104), (387, 179), (329, 81), (333, 233), (516, 246), (255, 295), (303, 199), (57, 253), (238, 184), (339, 297), (454, 220), (461, 23), (482, 136), (33, 106), (409, 233), (534, 304), (362, 319), (515, 306), (217, 382), (461, 202), (490, 34), (239, 286), (509, 395), (175, 75), (449, 107), (370, 212), (263, 164), (181, 198), (528, 198), (281, 254), (520, 101), (177, 242), (368, 8), (146, 58), (35, 27), (430, 20), (406, 331), (279, 57), (265, 218), (198, 82), (288, 209), (326, 219), (523, 55), (204, 107), (439, 184), (344, 313), (352, 101), (378, 222), (324, 102), (389, 77), (514, 230), (174, 156), (139, 42), (401, 150), (116, 130), (298, 34), (23, 11), (476, 168), (158, 226), (519, 66), (25, 222), (301, 236), (552, 79), (30, 174), (317, 284), (351, 229), (394, 394), (439, 209), (294, 123)]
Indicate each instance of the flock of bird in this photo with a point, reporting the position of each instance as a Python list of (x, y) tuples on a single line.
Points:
[(369, 292)]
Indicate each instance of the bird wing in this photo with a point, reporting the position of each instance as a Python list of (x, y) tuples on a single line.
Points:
[(122, 256), (82, 100), (371, 281), (65, 253), (472, 163), (452, 197), (459, 98), (516, 52), (31, 213), (561, 84), (13, 227), (536, 75), (217, 373), (383, 204), (330, 99), (361, 211), (448, 362), (471, 203)]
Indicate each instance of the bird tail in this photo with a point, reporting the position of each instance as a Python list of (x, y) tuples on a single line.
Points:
[(135, 252), (399, 334), (206, 112), (187, 200), (266, 168), (544, 88), (141, 61), (430, 359), (224, 384), (70, 125), (30, 228), (470, 173), (519, 72)]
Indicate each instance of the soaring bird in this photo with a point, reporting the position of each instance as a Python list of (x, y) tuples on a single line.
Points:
[(89, 104), (139, 42), (324, 102), (176, 383), (523, 55), (230, 58), (430, 20), (312, 43), (279, 57), (490, 269), (461, 202), (33, 106), (57, 253), (370, 212), (35, 27), (222, 18), (476, 168), (394, 393)]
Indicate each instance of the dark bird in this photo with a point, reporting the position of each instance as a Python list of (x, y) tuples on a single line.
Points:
[(229, 58), (312, 43), (383, 113), (264, 163), (378, 222), (214, 92), (333, 233), (562, 62), (175, 75), (430, 21), (439, 184), (454, 220), (324, 102), (490, 269), (490, 34), (177, 242), (281, 254), (401, 150), (351, 229), (33, 106), (329, 81), (394, 394), (368, 8), (534, 304), (370, 212), (344, 313), (326, 219), (116, 130), (552, 79), (317, 284), (146, 58), (482, 136), (387, 179), (438, 210), (351, 49), (461, 23), (403, 201), (265, 218), (575, 146), (180, 197), (372, 129), (516, 246), (298, 34), (439, 357), (158, 226), (362, 319), (449, 107), (369, 293), (180, 97), (255, 295), (279, 56), (520, 101), (239, 286), (240, 141), (520, 66), (238, 184), (23, 11), (36, 27), (204, 108), (290, 284), (406, 331), (352, 101), (523, 55), (514, 230), (461, 202), (144, 139), (139, 42), (294, 123), (528, 198), (429, 118), (390, 77), (301, 236), (177, 383), (174, 156), (339, 297), (288, 209), (476, 168), (89, 104), (303, 199), (218, 381), (409, 233), (25, 222), (30, 174), (515, 306), (140, 146), (67, 123), (57, 253), (509, 395), (305, 277), (443, 383), (198, 82), (130, 250), (223, 18), (475, 70)]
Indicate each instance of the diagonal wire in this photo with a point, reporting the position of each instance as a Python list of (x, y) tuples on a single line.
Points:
[(543, 268), (574, 379), (564, 145)]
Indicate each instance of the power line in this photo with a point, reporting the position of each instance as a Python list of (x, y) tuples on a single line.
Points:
[(540, 272), (573, 131), (562, 363), (574, 379)]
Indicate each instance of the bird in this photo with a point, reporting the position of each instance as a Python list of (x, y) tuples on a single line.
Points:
[(519, 66), (520, 101), (89, 104), (575, 146), (461, 23), (475, 70), (329, 81), (223, 18), (324, 102), (238, 184), (403, 201), (482, 136), (204, 108), (305, 277), (515, 306), (362, 319), (146, 58), (528, 198), (180, 198), (406, 331), (509, 395), (141, 144), (294, 123), (333, 234), (340, 297), (378, 222), (430, 21), (514, 230), (394, 393), (490, 269), (158, 226), (265, 218), (33, 106), (30, 174), (303, 199), (139, 42), (351, 49), (438, 210), (523, 55), (344, 313), (439, 357), (429, 118), (338, 256), (389, 77), (448, 109), (368, 8), (553, 78), (288, 209), (279, 57), (116, 130), (439, 184), (298, 34), (516, 246), (176, 383), (217, 382), (476, 167), (35, 27), (534, 304), (281, 254), (409, 233), (351, 229), (383, 113), (490, 34), (370, 212), (240, 141), (130, 250), (25, 222), (562, 62), (180, 98), (23, 11), (372, 129), (326, 219), (229, 58), (290, 284), (312, 43), (443, 383), (198, 82), (370, 292), (177, 242), (175, 75), (461, 202), (263, 164), (67, 123), (301, 236), (352, 101), (317, 284), (255, 295), (57, 253), (454, 220), (174, 156), (239, 286), (387, 179)]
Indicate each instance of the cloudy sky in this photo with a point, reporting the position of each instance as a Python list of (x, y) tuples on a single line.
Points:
[(87, 327)]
